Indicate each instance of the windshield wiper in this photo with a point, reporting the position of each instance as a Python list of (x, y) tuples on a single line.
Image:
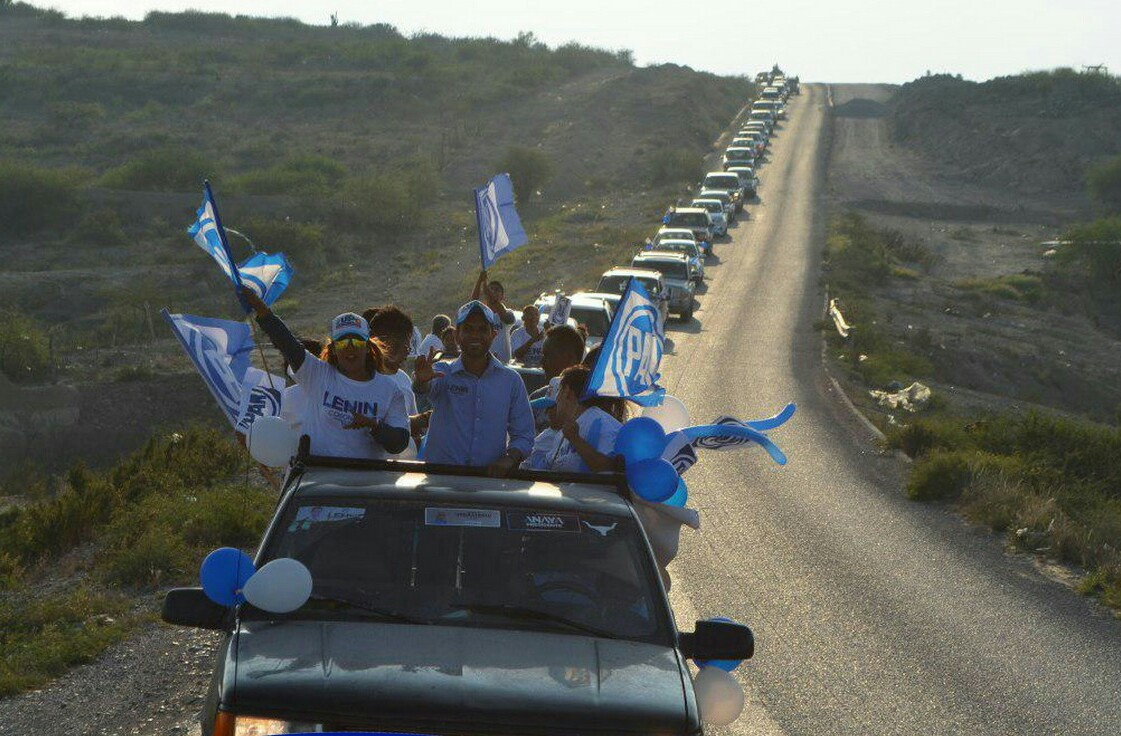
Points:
[(526, 613), (365, 607)]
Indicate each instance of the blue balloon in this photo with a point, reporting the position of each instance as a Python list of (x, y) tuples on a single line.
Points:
[(680, 496), (223, 574), (654, 480), (641, 438), (721, 664)]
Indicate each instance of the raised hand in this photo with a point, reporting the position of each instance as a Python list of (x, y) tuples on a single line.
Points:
[(253, 301), (361, 421), (423, 370)]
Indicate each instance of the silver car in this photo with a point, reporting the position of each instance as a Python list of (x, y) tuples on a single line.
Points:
[(615, 282), (674, 268), (716, 211)]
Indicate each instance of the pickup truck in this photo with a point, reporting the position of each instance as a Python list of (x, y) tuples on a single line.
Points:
[(448, 602)]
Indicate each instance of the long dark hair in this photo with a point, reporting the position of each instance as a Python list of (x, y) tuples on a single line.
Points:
[(575, 377), (374, 360)]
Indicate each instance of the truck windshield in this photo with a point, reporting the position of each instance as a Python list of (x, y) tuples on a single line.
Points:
[(670, 269), (475, 566), (688, 219), (594, 318), (722, 181)]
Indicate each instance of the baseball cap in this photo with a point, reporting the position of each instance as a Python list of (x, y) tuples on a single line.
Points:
[(349, 323), (477, 306)]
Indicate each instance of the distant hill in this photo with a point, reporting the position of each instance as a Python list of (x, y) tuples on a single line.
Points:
[(1037, 132)]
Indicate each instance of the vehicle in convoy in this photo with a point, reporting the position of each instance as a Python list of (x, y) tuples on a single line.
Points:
[(689, 248), (771, 93), (695, 219), (615, 281), (590, 312), (750, 140), (774, 107), (725, 182), (448, 602), (795, 86), (715, 209), (671, 233), (757, 126), (738, 157), (747, 179), (675, 271), (764, 116), (725, 199)]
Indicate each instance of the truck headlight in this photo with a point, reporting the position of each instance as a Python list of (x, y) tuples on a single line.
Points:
[(227, 724)]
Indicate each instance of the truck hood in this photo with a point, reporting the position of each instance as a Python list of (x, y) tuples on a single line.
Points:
[(436, 679)]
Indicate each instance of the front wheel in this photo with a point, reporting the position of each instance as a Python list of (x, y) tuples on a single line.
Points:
[(687, 315)]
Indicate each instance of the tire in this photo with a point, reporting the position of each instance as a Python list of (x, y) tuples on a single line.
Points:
[(687, 315)]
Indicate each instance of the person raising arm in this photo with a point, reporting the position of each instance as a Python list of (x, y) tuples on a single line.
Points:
[(345, 387)]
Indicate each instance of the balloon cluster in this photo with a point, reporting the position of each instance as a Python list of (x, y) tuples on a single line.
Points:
[(643, 443), (720, 697), (229, 578)]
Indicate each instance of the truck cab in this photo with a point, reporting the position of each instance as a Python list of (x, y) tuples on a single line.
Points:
[(448, 602)]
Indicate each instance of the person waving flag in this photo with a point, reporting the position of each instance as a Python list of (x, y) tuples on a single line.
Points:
[(267, 274)]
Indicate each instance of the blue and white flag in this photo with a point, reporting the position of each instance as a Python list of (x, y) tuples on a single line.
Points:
[(208, 234), (267, 274), (220, 351), (500, 228), (630, 357), (261, 396)]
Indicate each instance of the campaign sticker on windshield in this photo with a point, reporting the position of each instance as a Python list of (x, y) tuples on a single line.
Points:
[(306, 516), (538, 521), (439, 516)]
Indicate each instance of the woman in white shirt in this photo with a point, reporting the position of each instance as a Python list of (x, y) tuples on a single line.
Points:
[(589, 427), (352, 409)]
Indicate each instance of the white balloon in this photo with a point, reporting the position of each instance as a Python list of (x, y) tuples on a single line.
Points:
[(719, 696), (671, 414), (272, 442), (281, 586)]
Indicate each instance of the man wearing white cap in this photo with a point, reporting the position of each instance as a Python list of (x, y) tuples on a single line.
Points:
[(353, 409), (481, 413)]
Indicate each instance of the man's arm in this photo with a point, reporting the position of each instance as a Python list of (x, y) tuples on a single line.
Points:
[(480, 285), (520, 425), (520, 352)]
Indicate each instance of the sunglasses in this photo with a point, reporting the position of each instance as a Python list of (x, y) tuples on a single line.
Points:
[(349, 342)]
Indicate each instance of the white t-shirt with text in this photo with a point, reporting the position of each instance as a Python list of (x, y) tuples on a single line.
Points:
[(332, 401), (532, 357)]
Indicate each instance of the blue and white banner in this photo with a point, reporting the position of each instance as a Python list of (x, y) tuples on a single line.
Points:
[(220, 351), (208, 234), (261, 395), (500, 228), (630, 357), (679, 452), (267, 274), (729, 433)]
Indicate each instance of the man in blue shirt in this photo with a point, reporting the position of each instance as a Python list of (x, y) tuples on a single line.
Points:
[(480, 409)]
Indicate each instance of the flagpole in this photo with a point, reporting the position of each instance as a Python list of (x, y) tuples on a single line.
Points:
[(479, 227), (222, 234), (261, 350)]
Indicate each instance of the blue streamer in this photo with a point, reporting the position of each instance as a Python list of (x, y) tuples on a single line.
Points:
[(730, 430), (542, 403)]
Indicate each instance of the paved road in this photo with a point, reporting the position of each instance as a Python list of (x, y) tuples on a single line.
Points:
[(874, 615)]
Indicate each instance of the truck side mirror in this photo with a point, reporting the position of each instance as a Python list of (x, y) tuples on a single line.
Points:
[(718, 640), (191, 607)]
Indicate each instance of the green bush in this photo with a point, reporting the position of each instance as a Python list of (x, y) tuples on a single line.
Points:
[(940, 475), (303, 243), (101, 228), (386, 204), (33, 198), (41, 636), (671, 166), (1104, 183), (529, 168), (300, 175), (1094, 252), (167, 169), (24, 352)]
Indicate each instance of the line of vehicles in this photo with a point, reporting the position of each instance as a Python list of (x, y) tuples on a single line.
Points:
[(671, 264), (445, 602)]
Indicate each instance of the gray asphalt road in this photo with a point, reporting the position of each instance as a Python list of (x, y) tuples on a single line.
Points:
[(874, 615)]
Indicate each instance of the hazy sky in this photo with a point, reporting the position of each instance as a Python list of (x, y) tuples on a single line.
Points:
[(821, 40)]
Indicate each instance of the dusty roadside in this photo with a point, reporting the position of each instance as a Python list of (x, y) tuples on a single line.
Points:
[(988, 352), (151, 683)]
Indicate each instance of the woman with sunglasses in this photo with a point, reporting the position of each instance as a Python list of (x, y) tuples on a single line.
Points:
[(353, 409)]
